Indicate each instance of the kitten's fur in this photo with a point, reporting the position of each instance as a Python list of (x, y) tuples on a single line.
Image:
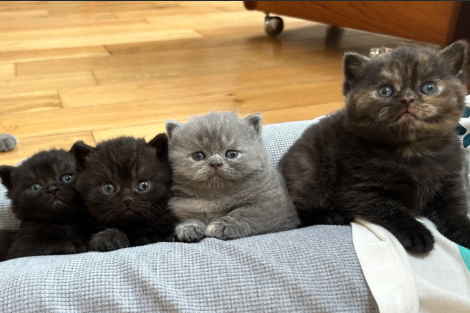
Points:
[(53, 219), (128, 217), (369, 161), (232, 198)]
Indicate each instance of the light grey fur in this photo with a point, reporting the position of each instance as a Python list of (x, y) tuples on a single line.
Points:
[(248, 198), (7, 142)]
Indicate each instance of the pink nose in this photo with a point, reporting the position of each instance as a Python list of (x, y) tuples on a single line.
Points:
[(215, 165), (407, 101)]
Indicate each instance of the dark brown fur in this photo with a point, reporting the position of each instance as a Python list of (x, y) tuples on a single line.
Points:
[(53, 219), (368, 161), (124, 162)]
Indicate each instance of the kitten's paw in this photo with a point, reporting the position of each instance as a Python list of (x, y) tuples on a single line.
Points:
[(108, 240), (73, 247), (226, 228), (461, 237), (416, 239), (190, 231), (333, 218)]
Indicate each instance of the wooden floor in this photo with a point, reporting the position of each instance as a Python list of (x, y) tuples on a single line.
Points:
[(93, 70)]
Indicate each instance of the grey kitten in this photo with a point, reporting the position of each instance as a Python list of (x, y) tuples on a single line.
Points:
[(223, 184)]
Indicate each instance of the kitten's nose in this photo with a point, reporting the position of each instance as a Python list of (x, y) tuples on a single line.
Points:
[(407, 101), (53, 189), (215, 165), (127, 200)]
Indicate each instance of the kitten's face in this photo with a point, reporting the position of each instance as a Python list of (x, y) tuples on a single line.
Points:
[(123, 181), (43, 186), (407, 94), (216, 151)]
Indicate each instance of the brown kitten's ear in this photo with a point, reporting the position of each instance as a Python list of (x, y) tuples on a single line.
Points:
[(455, 55), (160, 142), (81, 151), (255, 121), (171, 126), (353, 64), (5, 175)]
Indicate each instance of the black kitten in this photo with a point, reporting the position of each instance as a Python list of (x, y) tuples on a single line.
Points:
[(391, 154), (52, 214), (125, 183)]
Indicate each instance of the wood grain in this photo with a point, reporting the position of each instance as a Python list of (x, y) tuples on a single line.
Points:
[(93, 70)]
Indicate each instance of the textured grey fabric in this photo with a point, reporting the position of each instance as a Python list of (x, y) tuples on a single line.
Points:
[(314, 269), (7, 218)]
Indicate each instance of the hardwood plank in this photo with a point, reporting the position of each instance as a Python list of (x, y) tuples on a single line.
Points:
[(165, 11), (302, 113), (128, 92), (213, 20), (7, 71), (256, 55), (29, 102), (21, 85), (52, 54), (71, 18), (132, 114), (83, 7), (234, 36), (5, 15), (27, 146)]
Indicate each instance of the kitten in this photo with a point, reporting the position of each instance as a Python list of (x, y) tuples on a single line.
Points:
[(44, 198), (125, 183), (224, 186), (391, 154)]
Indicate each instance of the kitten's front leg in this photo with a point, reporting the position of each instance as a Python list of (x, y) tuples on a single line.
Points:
[(108, 240), (190, 230), (394, 216), (228, 227), (449, 213), (6, 239)]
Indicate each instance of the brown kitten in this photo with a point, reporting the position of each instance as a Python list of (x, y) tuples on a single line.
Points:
[(125, 183), (391, 154)]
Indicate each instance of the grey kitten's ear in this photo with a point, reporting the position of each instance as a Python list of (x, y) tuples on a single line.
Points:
[(353, 65), (81, 151), (160, 142), (171, 126), (5, 175), (255, 121), (456, 55)]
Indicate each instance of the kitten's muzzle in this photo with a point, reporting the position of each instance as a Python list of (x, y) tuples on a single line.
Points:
[(215, 165), (127, 201), (53, 189)]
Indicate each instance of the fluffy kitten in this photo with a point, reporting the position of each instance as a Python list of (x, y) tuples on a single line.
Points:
[(224, 186), (125, 183), (53, 217), (391, 154)]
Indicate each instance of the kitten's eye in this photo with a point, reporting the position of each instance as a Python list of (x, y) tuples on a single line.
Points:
[(198, 156), (231, 154), (66, 178), (385, 91), (143, 185), (36, 187), (428, 88), (109, 188)]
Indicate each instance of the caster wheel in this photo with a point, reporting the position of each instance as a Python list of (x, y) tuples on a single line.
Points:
[(273, 26)]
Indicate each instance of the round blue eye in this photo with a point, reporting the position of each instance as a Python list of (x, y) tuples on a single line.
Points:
[(36, 187), (232, 154), (429, 88), (66, 178), (109, 188), (385, 91), (199, 156), (143, 185)]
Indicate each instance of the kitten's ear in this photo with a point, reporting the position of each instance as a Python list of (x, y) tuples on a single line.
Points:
[(81, 151), (353, 64), (5, 175), (160, 142), (255, 121), (171, 126), (456, 55)]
